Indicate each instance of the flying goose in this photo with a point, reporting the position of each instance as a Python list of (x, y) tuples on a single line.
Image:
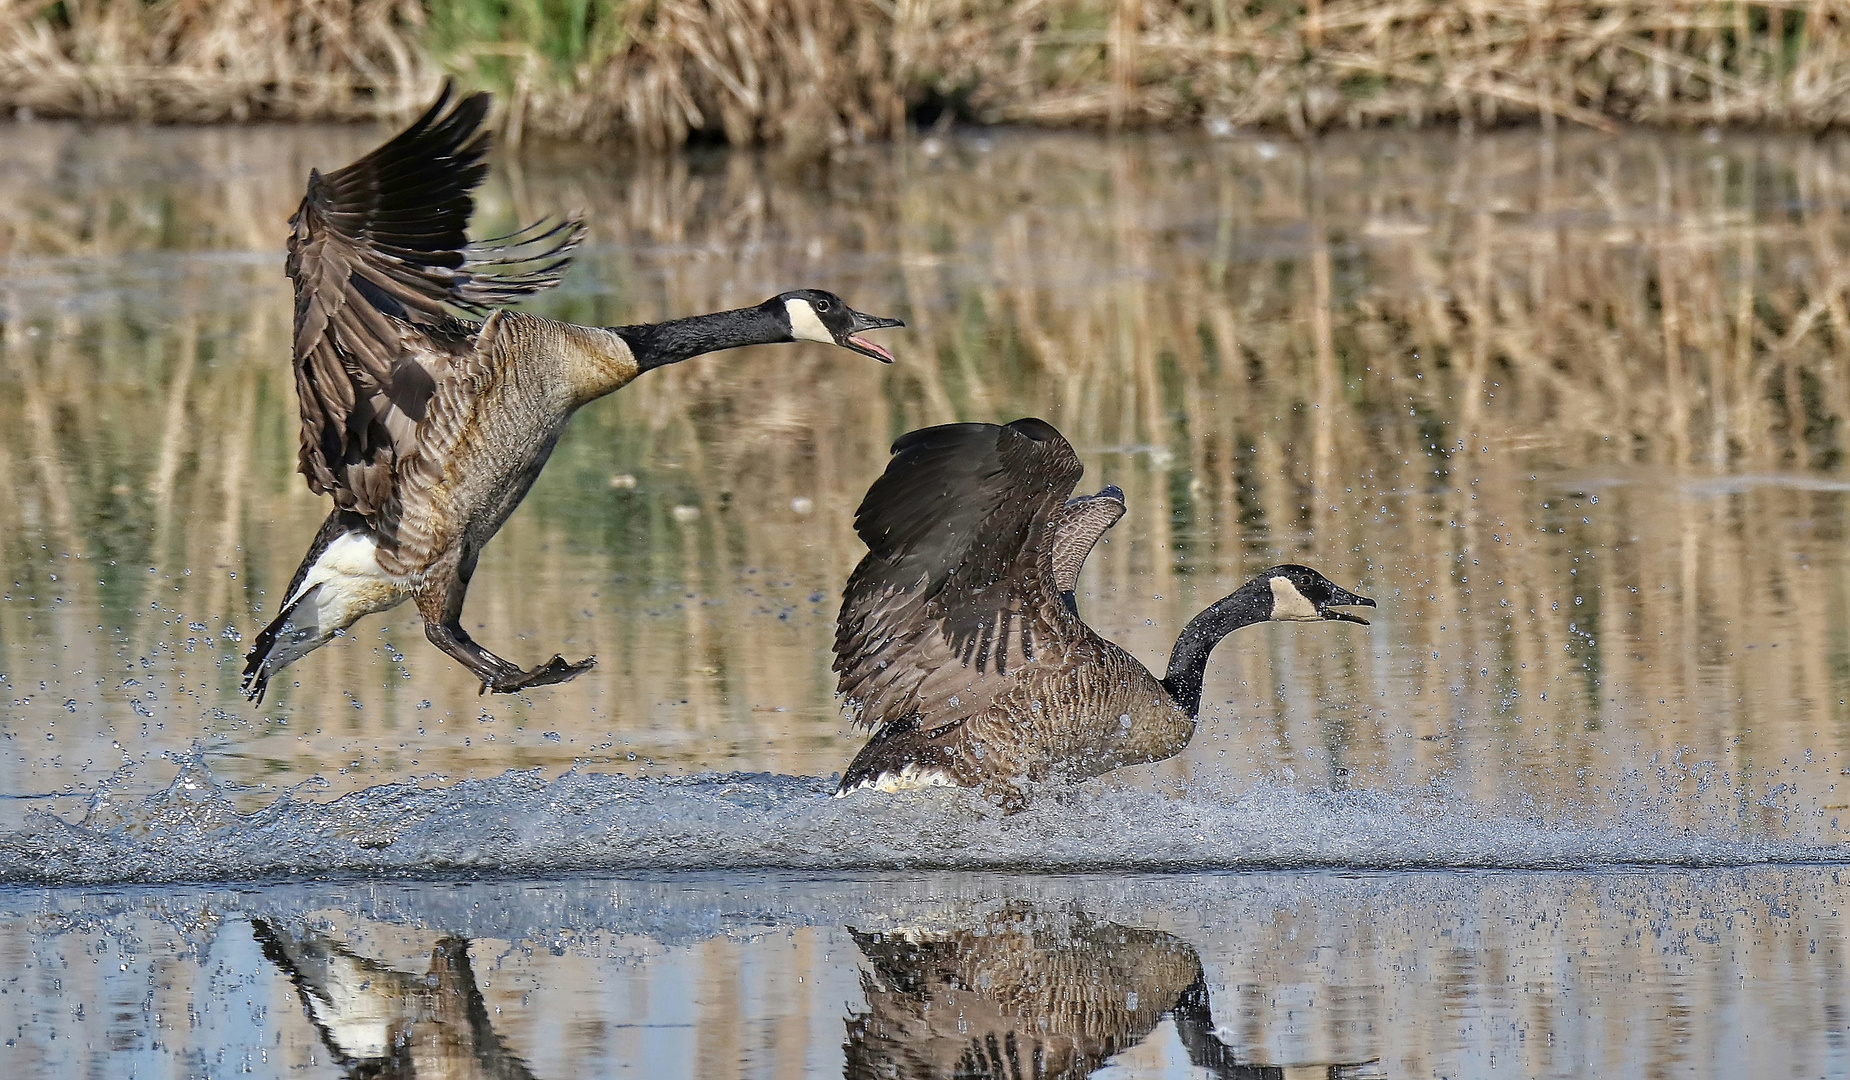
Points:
[(958, 643), (427, 428), (379, 1022)]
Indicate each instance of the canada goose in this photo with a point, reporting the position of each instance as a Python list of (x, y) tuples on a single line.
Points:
[(428, 429), (1024, 994), (378, 1021), (958, 643)]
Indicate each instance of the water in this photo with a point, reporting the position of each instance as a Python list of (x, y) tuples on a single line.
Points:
[(526, 824), (1737, 972), (1572, 410)]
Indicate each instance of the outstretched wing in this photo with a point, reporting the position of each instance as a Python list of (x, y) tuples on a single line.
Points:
[(957, 589), (378, 251)]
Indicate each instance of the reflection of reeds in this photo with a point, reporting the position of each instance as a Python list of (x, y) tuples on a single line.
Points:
[(815, 74), (1361, 357)]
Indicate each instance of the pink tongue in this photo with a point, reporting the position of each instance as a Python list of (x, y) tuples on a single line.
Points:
[(871, 347)]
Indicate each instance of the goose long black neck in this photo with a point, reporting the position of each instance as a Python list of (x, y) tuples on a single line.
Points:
[(659, 344), (1188, 661)]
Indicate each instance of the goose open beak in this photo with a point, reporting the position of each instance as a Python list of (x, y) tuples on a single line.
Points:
[(1347, 599), (858, 324)]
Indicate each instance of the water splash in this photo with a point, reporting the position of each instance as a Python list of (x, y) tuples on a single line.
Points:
[(521, 823)]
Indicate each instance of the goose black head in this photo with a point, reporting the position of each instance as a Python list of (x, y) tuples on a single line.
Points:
[(815, 315), (1300, 594)]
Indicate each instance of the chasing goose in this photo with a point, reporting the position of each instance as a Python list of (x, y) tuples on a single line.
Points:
[(958, 643), (428, 429)]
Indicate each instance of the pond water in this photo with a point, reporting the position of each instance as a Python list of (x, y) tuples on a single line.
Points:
[(1572, 409), (1249, 976)]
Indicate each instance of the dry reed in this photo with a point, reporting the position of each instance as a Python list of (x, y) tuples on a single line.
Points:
[(818, 74)]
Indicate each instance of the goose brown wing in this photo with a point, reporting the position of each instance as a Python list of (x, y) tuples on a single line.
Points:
[(1077, 529), (378, 253), (956, 593)]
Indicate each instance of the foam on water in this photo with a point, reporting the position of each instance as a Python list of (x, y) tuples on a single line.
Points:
[(521, 823)]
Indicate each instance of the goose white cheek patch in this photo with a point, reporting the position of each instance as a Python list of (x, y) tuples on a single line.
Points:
[(1290, 605), (805, 325)]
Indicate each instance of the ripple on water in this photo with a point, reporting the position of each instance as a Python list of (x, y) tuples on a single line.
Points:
[(523, 823)]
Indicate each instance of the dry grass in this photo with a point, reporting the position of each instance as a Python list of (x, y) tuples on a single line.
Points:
[(818, 74), (213, 60), (1360, 63)]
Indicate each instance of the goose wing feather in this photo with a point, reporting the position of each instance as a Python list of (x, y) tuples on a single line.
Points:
[(956, 595), (1077, 529), (379, 255)]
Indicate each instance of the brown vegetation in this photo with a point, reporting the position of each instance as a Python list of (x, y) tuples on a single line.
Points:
[(815, 74)]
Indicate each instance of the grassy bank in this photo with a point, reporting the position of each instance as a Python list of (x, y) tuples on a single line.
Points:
[(812, 73)]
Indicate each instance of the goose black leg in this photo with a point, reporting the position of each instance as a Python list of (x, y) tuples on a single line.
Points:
[(497, 674), (556, 670), (443, 627)]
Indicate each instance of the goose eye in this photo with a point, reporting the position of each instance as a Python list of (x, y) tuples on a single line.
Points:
[(822, 305)]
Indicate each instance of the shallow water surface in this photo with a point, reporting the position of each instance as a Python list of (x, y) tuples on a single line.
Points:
[(1572, 409), (1253, 976)]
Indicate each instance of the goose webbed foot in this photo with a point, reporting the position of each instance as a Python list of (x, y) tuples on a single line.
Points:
[(556, 670), (497, 674)]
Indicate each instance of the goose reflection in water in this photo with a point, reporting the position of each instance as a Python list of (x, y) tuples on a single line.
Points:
[(379, 1022), (1027, 995)]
